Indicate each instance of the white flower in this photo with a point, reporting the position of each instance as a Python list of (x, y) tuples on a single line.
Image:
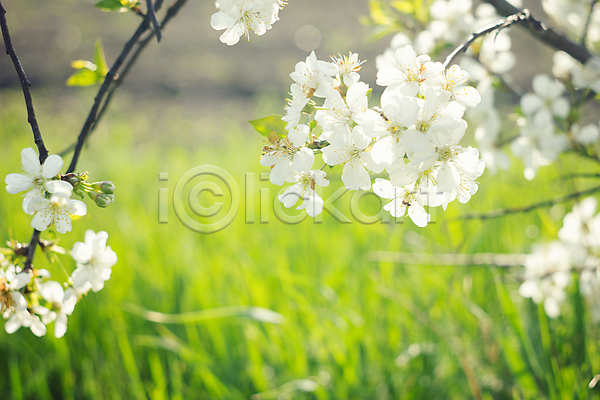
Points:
[(588, 75), (538, 145), (57, 210), (348, 68), (563, 64), (547, 274), (94, 261), (452, 81), (19, 316), (547, 98), (590, 288), (14, 305), (586, 135), (313, 77), (285, 158), (495, 52), (580, 227), (63, 301), (401, 113), (352, 155), (424, 43), (408, 71), (34, 176), (305, 189), (452, 20), (452, 166), (570, 15), (406, 198), (239, 17), (339, 114)]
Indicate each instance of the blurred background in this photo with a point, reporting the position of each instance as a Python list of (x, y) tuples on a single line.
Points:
[(351, 317)]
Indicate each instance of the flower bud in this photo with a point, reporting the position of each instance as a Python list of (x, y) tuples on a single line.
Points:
[(73, 179), (106, 187), (101, 199)]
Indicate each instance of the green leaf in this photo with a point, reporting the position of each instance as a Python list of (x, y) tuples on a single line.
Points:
[(100, 60), (80, 64), (109, 5), (271, 124), (83, 77), (405, 6)]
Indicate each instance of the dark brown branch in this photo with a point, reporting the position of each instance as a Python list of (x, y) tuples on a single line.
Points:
[(116, 82), (546, 35), (517, 17), (10, 50), (548, 203), (144, 26), (153, 19), (35, 240), (587, 23)]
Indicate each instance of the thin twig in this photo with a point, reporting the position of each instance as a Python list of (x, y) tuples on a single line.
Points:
[(154, 20), (116, 83), (477, 259), (144, 26), (582, 175), (10, 50), (548, 203), (543, 33), (587, 23), (517, 17)]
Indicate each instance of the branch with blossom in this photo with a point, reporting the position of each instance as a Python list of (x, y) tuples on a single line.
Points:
[(27, 295)]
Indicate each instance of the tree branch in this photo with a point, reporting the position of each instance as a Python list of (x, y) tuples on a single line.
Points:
[(153, 19), (587, 23), (10, 50), (548, 203), (517, 17), (103, 99), (546, 35), (144, 26), (35, 240)]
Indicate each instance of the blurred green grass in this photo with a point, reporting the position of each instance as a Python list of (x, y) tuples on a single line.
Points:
[(353, 328)]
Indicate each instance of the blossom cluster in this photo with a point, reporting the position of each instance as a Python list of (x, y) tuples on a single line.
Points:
[(549, 269), (28, 297), (547, 121), (413, 135), (239, 17)]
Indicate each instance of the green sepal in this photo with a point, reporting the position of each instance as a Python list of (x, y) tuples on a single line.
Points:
[(271, 124)]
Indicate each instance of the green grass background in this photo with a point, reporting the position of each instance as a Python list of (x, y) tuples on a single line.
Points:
[(352, 327)]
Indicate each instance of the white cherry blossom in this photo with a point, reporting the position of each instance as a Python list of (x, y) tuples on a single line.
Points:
[(354, 158), (347, 67), (339, 113), (57, 210), (547, 274), (94, 261), (239, 17), (547, 98), (285, 157), (34, 175), (304, 189), (63, 301), (408, 71), (406, 199)]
